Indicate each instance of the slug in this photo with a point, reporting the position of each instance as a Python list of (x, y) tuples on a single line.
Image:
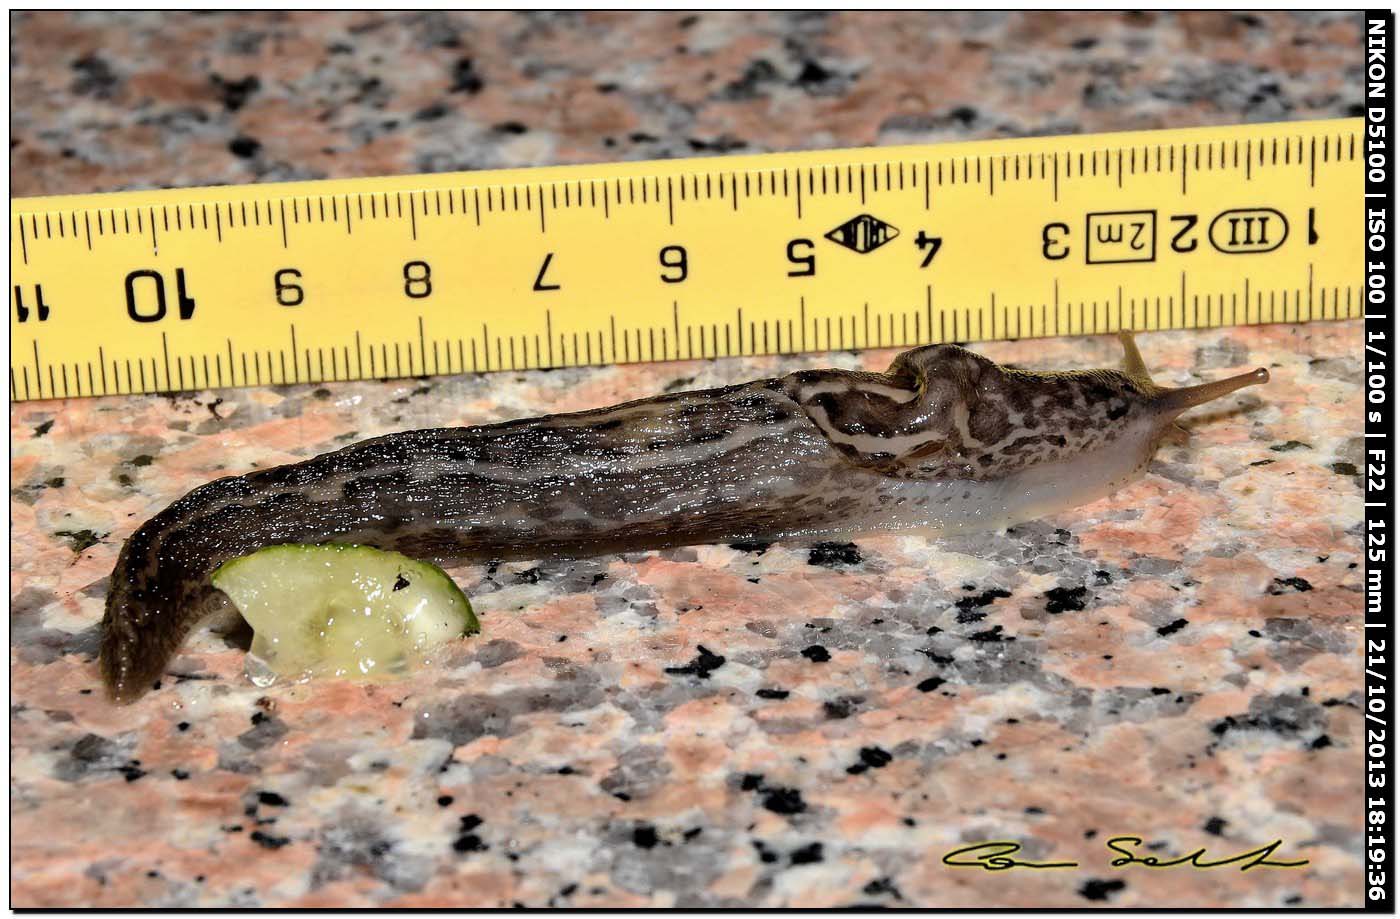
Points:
[(943, 440)]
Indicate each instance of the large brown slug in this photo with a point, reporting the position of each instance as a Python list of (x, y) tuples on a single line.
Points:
[(943, 440)]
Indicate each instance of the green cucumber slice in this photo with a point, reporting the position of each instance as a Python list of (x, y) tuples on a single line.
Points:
[(341, 610)]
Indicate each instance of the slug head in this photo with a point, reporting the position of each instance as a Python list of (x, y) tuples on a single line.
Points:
[(944, 411)]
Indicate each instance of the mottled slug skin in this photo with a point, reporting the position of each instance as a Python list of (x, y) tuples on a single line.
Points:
[(943, 440)]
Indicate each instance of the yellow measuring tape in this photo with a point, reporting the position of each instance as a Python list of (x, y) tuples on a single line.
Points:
[(566, 266)]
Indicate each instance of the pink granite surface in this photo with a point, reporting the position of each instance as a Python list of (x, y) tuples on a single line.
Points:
[(714, 726)]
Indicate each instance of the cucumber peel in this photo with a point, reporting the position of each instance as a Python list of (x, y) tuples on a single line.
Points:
[(341, 610)]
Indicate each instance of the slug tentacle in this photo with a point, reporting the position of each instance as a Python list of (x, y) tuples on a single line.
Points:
[(945, 439)]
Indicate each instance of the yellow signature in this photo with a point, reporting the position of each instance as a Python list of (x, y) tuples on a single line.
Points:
[(998, 856)]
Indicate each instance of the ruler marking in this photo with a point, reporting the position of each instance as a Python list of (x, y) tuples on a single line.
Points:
[(23, 242), (928, 308), (1310, 290), (165, 352)]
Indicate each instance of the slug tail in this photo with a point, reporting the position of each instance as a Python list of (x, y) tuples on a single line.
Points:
[(147, 618)]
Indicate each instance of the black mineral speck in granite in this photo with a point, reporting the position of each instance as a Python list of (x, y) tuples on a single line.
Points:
[(765, 854), (466, 840), (234, 93), (785, 801), (816, 654), (702, 665), (992, 634), (94, 77), (1065, 599), (1175, 625), (1215, 826), (465, 79), (1101, 889), (875, 757), (1285, 585), (268, 841), (80, 540), (842, 707), (244, 147), (772, 693), (930, 684), (644, 836), (977, 601), (271, 799), (882, 887), (807, 855)]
